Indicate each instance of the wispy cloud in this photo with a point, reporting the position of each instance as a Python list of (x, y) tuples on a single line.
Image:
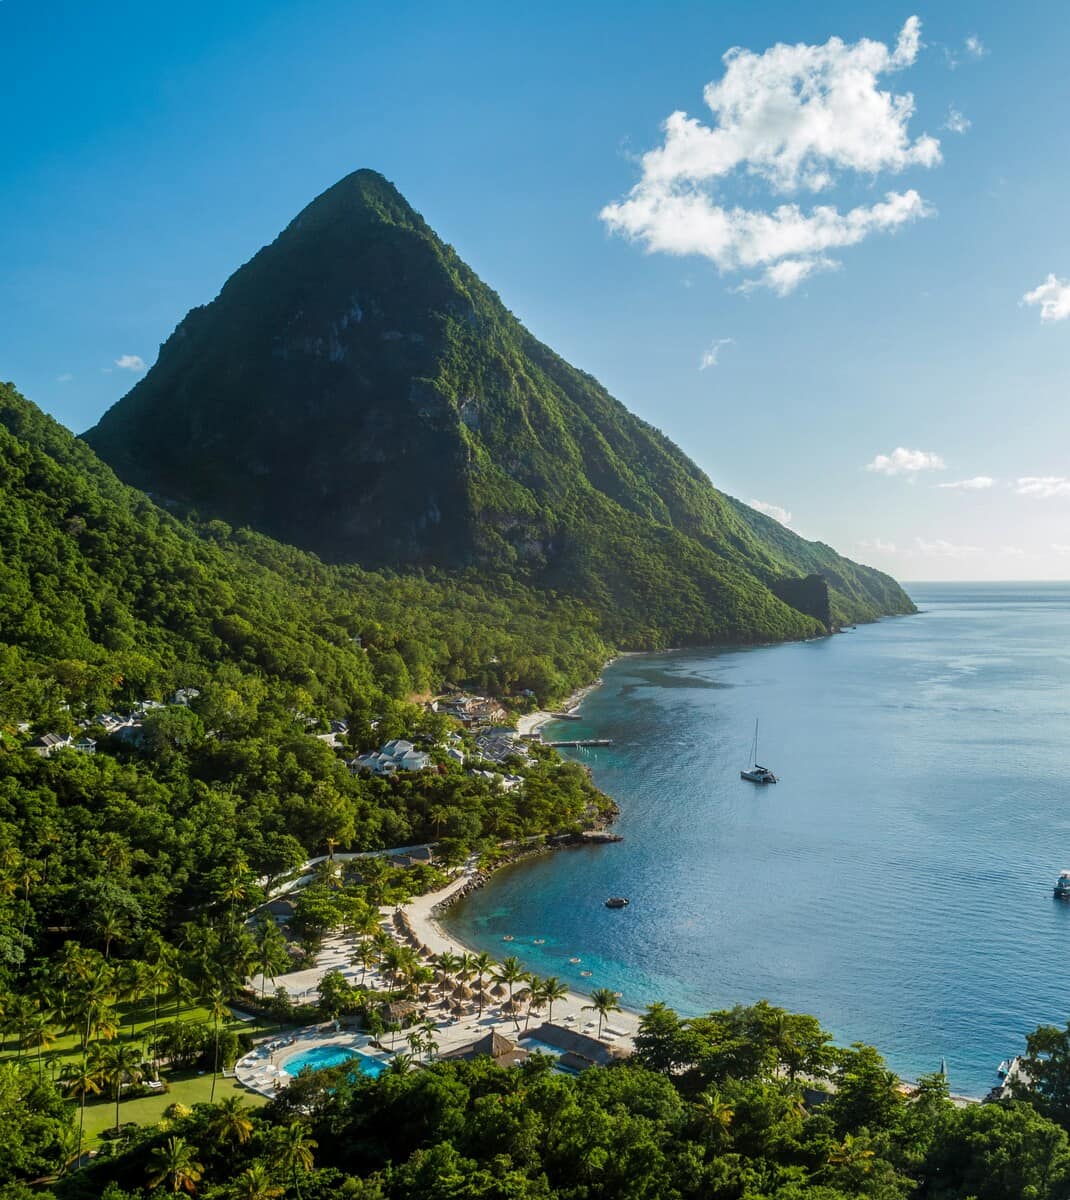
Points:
[(795, 118), (975, 48), (1053, 296), (66, 377), (902, 461), (877, 545), (710, 355), (956, 122), (130, 362), (939, 548), (1043, 486), (971, 50), (772, 510), (978, 483)]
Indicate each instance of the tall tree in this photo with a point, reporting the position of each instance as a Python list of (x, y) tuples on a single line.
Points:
[(603, 1001), (173, 1164)]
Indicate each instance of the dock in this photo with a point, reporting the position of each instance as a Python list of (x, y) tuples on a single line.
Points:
[(579, 742), (566, 716)]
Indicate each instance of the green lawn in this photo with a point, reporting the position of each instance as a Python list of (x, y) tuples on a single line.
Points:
[(187, 1087)]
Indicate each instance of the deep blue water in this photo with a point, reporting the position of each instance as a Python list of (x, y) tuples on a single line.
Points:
[(896, 882)]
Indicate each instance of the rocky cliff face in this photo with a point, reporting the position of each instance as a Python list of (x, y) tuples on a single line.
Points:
[(356, 390)]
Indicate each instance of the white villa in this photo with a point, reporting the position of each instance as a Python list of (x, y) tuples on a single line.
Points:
[(391, 757)]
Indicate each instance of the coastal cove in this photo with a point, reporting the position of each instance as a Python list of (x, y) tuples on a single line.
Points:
[(896, 882)]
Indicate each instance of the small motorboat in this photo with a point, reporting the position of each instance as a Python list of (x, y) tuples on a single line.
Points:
[(1003, 1068), (1061, 891), (617, 902)]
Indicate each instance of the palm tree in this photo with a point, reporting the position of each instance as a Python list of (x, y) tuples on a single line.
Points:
[(230, 1122), (364, 956), (39, 1036), (83, 1081), (715, 1114), (536, 999), (173, 1163), (217, 1007), (121, 1062), (293, 1152), (448, 964), (91, 1003), (270, 957), (603, 1001), (157, 978), (553, 990), (401, 1063), (131, 979), (256, 1183), (20, 1015), (852, 1153), (111, 928), (482, 964), (509, 971)]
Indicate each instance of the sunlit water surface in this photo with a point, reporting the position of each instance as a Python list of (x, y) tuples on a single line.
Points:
[(896, 882)]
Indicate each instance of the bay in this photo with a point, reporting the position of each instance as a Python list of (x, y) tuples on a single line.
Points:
[(896, 882)]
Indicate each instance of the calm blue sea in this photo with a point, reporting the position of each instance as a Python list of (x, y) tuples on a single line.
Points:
[(896, 882)]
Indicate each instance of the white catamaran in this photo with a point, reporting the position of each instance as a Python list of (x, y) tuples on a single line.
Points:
[(757, 773)]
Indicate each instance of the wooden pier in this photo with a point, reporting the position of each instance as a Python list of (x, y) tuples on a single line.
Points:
[(579, 742)]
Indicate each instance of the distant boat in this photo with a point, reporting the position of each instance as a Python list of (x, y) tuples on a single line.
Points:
[(757, 773), (617, 902), (1061, 891)]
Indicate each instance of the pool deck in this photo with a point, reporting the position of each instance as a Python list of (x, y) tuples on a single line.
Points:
[(263, 1070)]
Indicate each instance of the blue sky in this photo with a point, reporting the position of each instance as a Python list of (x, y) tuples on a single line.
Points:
[(148, 150)]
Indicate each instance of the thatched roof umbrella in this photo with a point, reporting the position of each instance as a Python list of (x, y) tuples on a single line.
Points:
[(499, 989), (424, 952), (522, 994), (457, 1008), (465, 992)]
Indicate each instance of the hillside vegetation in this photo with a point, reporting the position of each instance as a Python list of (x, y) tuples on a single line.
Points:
[(358, 391)]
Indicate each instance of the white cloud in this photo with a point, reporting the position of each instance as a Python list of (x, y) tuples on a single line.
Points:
[(1043, 486), (772, 510), (793, 117), (956, 122), (66, 377), (978, 483), (709, 356), (1060, 548), (972, 48), (878, 545), (1012, 551), (906, 462), (130, 362), (1053, 296), (938, 548)]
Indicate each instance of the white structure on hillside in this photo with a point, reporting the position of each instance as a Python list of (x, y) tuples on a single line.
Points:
[(391, 757)]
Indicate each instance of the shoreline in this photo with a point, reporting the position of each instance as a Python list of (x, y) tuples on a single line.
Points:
[(530, 723), (425, 912)]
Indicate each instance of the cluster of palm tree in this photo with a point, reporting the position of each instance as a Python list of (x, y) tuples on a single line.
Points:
[(173, 1166), (84, 994)]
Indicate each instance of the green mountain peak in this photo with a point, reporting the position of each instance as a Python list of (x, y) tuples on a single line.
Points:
[(356, 390)]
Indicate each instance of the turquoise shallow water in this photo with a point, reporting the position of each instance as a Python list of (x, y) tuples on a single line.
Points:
[(896, 882), (332, 1055)]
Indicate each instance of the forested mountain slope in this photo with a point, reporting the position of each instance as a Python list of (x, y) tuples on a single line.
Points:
[(357, 391), (103, 595)]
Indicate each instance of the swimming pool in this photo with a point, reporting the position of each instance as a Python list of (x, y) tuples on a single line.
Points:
[(318, 1057), (533, 1044)]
